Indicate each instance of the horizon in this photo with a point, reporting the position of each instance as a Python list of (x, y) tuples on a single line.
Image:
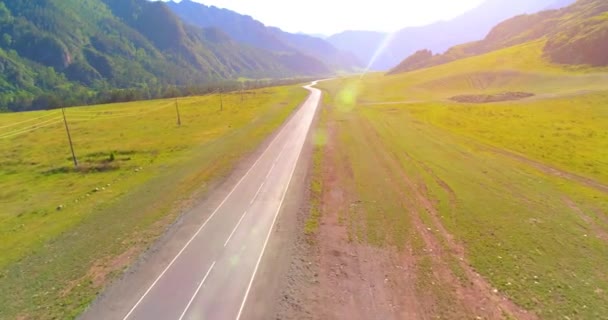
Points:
[(389, 16)]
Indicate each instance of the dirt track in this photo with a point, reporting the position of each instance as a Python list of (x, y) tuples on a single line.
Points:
[(336, 277)]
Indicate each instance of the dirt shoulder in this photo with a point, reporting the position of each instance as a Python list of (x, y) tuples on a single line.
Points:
[(284, 266), (488, 98), (142, 264), (335, 273)]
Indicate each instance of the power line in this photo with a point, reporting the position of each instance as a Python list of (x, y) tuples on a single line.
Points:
[(107, 117), (112, 111), (29, 126), (74, 110), (28, 120), (20, 132), (95, 115)]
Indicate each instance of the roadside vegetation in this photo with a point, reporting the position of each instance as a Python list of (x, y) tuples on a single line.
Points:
[(491, 210), (319, 143), (65, 232)]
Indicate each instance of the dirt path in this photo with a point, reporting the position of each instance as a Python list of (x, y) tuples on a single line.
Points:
[(550, 170), (597, 231), (357, 281), (470, 293), (350, 279)]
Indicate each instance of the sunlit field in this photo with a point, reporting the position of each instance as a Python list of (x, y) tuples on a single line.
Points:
[(518, 68), (516, 191), (65, 231)]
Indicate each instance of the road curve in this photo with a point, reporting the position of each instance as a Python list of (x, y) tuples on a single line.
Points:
[(211, 275)]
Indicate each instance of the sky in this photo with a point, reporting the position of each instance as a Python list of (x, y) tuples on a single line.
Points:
[(333, 16)]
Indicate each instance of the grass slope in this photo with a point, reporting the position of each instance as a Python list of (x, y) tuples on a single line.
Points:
[(137, 169), (537, 236), (576, 35), (567, 107)]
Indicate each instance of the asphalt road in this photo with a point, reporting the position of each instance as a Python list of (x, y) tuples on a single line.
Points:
[(210, 277)]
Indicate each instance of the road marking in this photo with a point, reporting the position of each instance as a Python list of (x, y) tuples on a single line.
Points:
[(270, 171), (257, 193), (235, 227), (274, 163), (257, 265), (254, 198), (208, 219), (197, 290)]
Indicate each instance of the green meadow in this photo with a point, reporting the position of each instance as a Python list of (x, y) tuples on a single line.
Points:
[(519, 185), (65, 232)]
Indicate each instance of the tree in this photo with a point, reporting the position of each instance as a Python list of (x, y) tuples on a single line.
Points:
[(5, 14), (7, 40)]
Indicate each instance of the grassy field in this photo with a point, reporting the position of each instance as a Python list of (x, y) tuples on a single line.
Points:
[(486, 188), (518, 68), (65, 232)]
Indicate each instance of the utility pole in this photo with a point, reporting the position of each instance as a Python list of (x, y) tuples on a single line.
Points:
[(221, 101), (242, 89), (67, 130), (179, 118)]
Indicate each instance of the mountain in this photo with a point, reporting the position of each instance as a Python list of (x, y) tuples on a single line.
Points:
[(316, 35), (353, 40), (440, 36), (576, 35), (62, 52), (558, 4), (320, 49), (247, 30)]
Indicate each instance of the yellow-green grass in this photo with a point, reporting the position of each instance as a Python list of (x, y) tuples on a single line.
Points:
[(319, 142), (518, 68), (110, 207), (568, 133), (564, 125), (540, 239)]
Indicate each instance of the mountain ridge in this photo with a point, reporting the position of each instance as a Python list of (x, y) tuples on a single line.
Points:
[(67, 52), (439, 36), (575, 35), (247, 30)]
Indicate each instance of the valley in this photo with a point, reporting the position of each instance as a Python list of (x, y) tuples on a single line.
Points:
[(424, 208), (186, 160), (138, 172)]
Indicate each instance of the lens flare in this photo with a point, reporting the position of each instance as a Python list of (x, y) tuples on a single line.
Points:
[(320, 137), (347, 97), (380, 50)]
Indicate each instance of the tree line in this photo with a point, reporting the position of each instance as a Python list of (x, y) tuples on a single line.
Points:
[(83, 96)]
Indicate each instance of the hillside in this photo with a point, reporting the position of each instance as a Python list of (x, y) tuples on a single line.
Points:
[(320, 49), (247, 30), (576, 35), (65, 52), (439, 36), (142, 168), (496, 204)]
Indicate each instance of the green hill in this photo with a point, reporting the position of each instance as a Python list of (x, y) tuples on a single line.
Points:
[(58, 52), (491, 171), (576, 35)]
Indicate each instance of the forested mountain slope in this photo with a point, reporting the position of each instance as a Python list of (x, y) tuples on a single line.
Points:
[(247, 30), (64, 52)]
